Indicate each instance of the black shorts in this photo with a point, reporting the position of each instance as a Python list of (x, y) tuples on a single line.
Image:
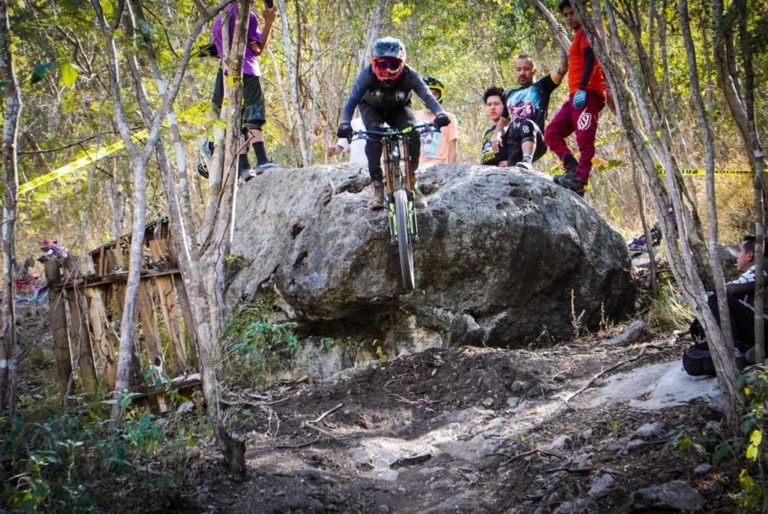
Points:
[(526, 130), (254, 115)]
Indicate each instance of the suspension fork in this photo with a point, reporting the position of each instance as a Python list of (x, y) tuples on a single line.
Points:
[(410, 179)]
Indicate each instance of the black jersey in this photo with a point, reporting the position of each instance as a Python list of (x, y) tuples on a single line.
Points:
[(388, 94), (488, 157), (530, 102)]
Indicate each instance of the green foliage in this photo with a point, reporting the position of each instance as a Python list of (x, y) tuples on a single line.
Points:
[(256, 348), (753, 493), (74, 461), (669, 311)]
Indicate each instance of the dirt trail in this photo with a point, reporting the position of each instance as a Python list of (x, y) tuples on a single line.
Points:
[(464, 430)]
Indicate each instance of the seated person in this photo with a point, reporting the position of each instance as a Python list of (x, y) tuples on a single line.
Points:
[(525, 110), (494, 107), (741, 295)]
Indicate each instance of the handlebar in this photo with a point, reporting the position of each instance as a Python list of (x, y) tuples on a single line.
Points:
[(393, 132)]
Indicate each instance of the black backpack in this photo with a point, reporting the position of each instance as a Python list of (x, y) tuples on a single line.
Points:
[(697, 361)]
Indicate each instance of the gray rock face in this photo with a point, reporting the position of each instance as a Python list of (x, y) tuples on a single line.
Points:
[(675, 495), (504, 257)]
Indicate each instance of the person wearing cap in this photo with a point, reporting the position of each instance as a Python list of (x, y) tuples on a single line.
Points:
[(383, 92), (438, 147)]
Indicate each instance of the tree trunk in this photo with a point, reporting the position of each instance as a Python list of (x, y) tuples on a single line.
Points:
[(13, 107), (708, 141), (293, 79), (652, 149)]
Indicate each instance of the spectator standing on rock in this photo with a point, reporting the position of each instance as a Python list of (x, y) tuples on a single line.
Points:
[(254, 111), (581, 111)]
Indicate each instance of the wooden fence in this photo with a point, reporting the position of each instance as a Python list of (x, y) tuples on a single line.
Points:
[(86, 306)]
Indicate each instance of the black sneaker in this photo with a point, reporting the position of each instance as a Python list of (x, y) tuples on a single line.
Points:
[(569, 181)]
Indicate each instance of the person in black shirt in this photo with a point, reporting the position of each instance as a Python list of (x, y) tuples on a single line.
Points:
[(525, 110), (494, 107), (383, 93)]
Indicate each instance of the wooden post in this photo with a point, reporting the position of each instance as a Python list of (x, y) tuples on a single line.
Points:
[(78, 308), (104, 341), (167, 295), (58, 315), (186, 313), (149, 322)]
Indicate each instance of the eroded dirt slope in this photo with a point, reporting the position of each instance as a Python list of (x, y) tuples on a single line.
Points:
[(465, 430)]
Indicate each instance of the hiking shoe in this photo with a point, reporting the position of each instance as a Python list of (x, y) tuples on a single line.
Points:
[(376, 201), (570, 181), (419, 200), (246, 174), (524, 165), (202, 167), (266, 165)]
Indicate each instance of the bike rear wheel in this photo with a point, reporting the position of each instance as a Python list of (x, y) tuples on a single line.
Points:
[(404, 240)]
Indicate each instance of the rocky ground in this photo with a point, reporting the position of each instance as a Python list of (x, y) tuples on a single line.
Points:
[(584, 427)]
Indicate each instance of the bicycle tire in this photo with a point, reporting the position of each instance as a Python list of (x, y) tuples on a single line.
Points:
[(404, 240)]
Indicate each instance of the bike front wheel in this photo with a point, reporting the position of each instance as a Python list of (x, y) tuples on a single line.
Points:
[(404, 240)]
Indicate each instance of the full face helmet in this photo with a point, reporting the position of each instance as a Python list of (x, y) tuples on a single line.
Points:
[(388, 58), (434, 83)]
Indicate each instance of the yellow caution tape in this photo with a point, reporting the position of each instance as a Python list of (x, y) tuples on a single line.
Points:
[(89, 158), (700, 171)]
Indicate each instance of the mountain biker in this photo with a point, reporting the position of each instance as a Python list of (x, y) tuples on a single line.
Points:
[(494, 107), (586, 84), (254, 115), (438, 147), (525, 109), (383, 93)]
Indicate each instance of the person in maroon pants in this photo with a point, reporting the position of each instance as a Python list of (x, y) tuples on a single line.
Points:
[(580, 112)]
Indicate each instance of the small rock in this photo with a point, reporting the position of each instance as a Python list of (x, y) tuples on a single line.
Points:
[(389, 475), (675, 495), (384, 509), (518, 386), (185, 407), (601, 485), (702, 469), (647, 431), (586, 434), (488, 402), (634, 443), (572, 507), (512, 401), (561, 443)]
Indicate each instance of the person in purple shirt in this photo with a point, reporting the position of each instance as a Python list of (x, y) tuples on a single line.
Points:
[(254, 115)]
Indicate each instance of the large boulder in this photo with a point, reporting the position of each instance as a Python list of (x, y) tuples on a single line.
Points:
[(505, 257)]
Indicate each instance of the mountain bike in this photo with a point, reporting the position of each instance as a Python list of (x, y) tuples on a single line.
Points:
[(400, 184)]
